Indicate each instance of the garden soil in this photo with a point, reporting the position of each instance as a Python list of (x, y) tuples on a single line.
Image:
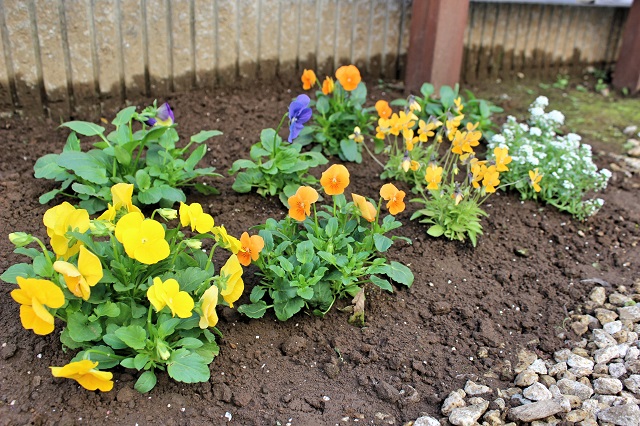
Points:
[(467, 314)]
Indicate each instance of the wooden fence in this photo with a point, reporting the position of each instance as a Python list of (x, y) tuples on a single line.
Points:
[(64, 57)]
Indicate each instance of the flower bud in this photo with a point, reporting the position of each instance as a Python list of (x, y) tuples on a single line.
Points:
[(194, 244), (168, 214), (20, 239), (163, 350), (406, 164)]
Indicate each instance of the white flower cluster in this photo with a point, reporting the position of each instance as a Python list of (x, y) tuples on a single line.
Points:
[(567, 165)]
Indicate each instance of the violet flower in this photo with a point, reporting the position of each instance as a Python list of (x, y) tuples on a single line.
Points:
[(164, 116), (299, 113)]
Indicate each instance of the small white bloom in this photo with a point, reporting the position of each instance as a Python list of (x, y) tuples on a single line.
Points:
[(536, 112), (541, 101), (556, 116), (498, 139), (535, 131)]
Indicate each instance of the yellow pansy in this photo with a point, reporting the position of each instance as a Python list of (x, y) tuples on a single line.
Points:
[(534, 179), (143, 239), (61, 219), (193, 215), (168, 293), (84, 372), (231, 273), (502, 158), (491, 179), (121, 194), (433, 176), (34, 295), (225, 240), (80, 280), (357, 136), (209, 301)]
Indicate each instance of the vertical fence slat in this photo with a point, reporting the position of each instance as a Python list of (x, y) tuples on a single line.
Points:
[(158, 39), (227, 41), (205, 43), (6, 72), (484, 53), (376, 37), (343, 34), (54, 73), (308, 32), (394, 13), (108, 49), (248, 42), (269, 29), (23, 57), (403, 45), (132, 48), (476, 13), (529, 57), (538, 44), (326, 35), (288, 35), (183, 74)]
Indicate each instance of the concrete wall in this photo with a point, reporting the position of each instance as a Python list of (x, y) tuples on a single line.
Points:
[(68, 57)]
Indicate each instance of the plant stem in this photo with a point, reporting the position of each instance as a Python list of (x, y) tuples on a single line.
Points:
[(371, 154), (275, 136)]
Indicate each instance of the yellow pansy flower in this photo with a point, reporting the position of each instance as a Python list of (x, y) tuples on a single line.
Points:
[(209, 317), (225, 240), (231, 273), (433, 176), (357, 135), (534, 179), (491, 179), (84, 372), (61, 219), (193, 215), (143, 239), (502, 158), (33, 295), (80, 280), (168, 293)]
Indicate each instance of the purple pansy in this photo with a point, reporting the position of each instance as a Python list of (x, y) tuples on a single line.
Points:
[(164, 116), (299, 113)]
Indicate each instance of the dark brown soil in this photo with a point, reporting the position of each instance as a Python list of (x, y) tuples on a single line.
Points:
[(311, 371)]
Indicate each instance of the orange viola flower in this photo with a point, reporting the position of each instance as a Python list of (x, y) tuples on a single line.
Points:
[(300, 202), (367, 210), (349, 77), (251, 248), (308, 79), (328, 86), (383, 108), (335, 179), (394, 197)]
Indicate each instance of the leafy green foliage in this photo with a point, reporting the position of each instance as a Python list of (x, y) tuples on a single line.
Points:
[(328, 256), (335, 117), (132, 153), (455, 222), (276, 167)]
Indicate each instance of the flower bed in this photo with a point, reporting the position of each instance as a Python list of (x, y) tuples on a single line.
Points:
[(466, 313)]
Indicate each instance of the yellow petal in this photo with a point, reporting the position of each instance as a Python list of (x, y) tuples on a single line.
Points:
[(127, 223), (89, 266), (31, 321), (96, 380)]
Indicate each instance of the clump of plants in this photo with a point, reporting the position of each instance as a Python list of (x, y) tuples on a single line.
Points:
[(561, 164), (340, 119), (277, 167), (319, 254), (130, 290), (141, 151)]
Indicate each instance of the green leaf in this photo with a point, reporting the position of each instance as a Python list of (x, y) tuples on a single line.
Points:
[(104, 355), (143, 180), (242, 164), (140, 361), (243, 183), (81, 329), (435, 231), (288, 308), (188, 367), (127, 363), (107, 309), (349, 149), (306, 293), (253, 310), (18, 270), (48, 196), (167, 327), (381, 242), (427, 90), (83, 189), (113, 341), (150, 196), (304, 252), (206, 189), (84, 165), (84, 128), (399, 273), (447, 95), (257, 293), (173, 195), (332, 227), (42, 267), (286, 265), (205, 135), (383, 284), (146, 382), (122, 155), (189, 343), (195, 157), (134, 336), (124, 116), (47, 167), (322, 105), (73, 143)]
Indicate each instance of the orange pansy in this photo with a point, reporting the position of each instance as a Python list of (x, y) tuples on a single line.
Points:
[(328, 86), (367, 210), (308, 79), (383, 108), (335, 179), (349, 77), (394, 197), (300, 202), (251, 248)]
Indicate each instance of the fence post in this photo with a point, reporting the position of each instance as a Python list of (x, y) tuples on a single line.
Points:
[(627, 71), (436, 42)]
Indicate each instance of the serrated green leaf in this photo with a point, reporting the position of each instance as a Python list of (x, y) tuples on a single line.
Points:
[(103, 355), (107, 309), (188, 367), (150, 196), (83, 189), (381, 242), (47, 167), (143, 180), (84, 165), (134, 336), (304, 252), (146, 382), (253, 310), (83, 330), (322, 105), (257, 293), (306, 293), (48, 196), (167, 327), (288, 308), (349, 149)]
